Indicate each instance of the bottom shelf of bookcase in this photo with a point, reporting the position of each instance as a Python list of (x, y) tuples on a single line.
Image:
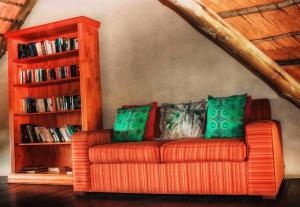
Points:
[(41, 178)]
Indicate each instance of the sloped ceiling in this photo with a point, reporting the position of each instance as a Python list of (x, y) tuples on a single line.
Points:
[(12, 15), (262, 34), (271, 25)]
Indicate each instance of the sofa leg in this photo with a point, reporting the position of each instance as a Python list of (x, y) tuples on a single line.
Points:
[(269, 197)]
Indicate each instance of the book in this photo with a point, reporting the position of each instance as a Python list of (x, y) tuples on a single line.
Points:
[(33, 169), (54, 170), (34, 134), (43, 48), (34, 50), (22, 51), (48, 47), (53, 47), (76, 44), (48, 135), (25, 135), (38, 47)]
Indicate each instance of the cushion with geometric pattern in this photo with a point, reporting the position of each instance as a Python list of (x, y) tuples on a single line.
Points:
[(225, 116), (130, 124)]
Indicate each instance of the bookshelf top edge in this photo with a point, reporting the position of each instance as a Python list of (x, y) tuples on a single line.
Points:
[(69, 24)]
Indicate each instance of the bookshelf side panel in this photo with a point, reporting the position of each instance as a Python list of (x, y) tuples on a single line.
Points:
[(11, 101), (90, 86)]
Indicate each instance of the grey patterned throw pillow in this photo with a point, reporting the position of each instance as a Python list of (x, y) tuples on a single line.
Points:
[(183, 120)]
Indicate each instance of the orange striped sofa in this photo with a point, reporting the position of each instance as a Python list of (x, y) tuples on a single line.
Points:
[(250, 166)]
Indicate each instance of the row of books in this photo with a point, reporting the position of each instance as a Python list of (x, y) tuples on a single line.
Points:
[(33, 134), (42, 74), (47, 47), (61, 103)]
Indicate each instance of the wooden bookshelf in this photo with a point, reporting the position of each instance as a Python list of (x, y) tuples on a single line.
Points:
[(87, 85)]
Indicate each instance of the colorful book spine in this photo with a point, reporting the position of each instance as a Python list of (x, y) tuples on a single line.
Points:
[(35, 134), (47, 74), (52, 104), (47, 47)]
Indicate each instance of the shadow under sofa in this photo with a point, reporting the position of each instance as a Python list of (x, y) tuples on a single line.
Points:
[(229, 166)]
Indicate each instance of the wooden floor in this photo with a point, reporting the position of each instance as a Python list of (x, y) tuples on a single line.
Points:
[(14, 195)]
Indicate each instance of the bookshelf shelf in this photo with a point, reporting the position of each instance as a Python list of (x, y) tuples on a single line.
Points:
[(47, 83), (45, 143), (87, 85), (45, 113), (49, 57), (41, 178)]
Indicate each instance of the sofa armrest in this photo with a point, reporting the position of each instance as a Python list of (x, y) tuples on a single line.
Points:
[(81, 142), (265, 158)]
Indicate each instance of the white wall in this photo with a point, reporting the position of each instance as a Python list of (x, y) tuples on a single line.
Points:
[(150, 53)]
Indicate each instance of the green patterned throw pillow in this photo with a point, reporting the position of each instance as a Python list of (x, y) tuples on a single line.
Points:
[(130, 124), (225, 116), (182, 120)]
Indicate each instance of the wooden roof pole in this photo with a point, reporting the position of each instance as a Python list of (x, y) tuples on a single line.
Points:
[(295, 61), (259, 8), (11, 3), (275, 37), (17, 23), (227, 36)]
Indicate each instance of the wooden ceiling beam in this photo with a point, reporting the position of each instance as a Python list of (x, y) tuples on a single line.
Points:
[(223, 34), (271, 38), (6, 19), (12, 3), (258, 8), (17, 23), (23, 14), (288, 62)]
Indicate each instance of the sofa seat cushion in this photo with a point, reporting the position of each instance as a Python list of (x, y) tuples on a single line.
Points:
[(197, 150), (126, 152)]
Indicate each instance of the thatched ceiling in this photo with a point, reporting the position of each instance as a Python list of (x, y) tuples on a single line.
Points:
[(272, 25), (12, 16)]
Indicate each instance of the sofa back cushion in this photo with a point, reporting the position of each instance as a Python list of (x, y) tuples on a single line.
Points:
[(260, 110), (225, 116), (149, 130), (183, 120), (130, 124)]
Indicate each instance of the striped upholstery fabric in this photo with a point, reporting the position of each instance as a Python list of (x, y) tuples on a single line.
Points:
[(173, 178), (261, 173), (196, 150), (260, 110), (100, 137), (81, 162), (126, 152), (265, 159), (81, 141)]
